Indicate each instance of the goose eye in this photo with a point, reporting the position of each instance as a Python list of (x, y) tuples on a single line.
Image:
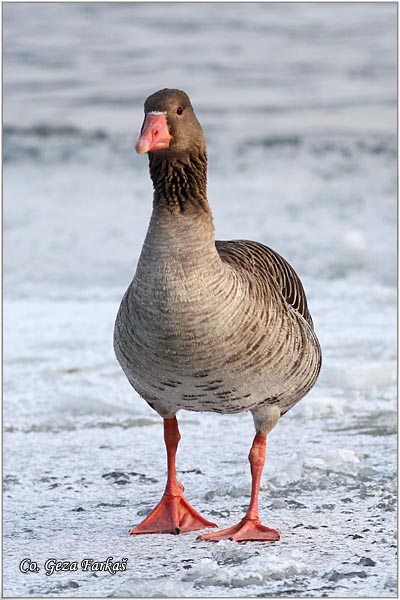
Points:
[(179, 110)]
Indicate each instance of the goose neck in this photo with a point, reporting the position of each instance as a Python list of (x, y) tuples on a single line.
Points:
[(180, 182)]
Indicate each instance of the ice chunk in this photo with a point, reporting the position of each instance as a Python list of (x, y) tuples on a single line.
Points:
[(257, 569), (289, 472), (342, 460), (322, 406)]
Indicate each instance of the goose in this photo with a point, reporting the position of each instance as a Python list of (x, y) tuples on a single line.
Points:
[(206, 325)]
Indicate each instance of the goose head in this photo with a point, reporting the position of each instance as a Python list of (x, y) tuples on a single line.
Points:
[(170, 125)]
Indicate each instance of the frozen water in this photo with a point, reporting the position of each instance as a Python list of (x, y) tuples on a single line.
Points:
[(298, 103)]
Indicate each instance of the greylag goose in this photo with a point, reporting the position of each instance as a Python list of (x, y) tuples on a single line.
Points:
[(207, 325)]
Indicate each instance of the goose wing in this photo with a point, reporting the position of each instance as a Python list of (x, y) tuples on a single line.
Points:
[(265, 263)]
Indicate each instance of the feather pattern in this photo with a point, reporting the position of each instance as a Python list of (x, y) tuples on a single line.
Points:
[(220, 326), (263, 262)]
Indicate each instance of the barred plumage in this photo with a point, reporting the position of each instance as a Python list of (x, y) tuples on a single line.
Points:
[(238, 313)]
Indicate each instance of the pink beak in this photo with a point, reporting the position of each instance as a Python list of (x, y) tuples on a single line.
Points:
[(154, 134)]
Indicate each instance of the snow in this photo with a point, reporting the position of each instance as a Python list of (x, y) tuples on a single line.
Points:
[(302, 154)]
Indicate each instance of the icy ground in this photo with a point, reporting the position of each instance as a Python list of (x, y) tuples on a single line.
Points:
[(84, 457), (298, 103), (76, 483)]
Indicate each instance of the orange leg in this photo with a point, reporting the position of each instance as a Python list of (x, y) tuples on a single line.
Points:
[(250, 527), (173, 514)]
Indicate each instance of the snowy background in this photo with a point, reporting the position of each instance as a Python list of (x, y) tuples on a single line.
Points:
[(298, 103)]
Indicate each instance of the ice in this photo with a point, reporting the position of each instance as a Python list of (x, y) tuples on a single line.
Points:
[(289, 472), (159, 588), (320, 407), (252, 571), (355, 242), (341, 460), (303, 158), (364, 377)]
